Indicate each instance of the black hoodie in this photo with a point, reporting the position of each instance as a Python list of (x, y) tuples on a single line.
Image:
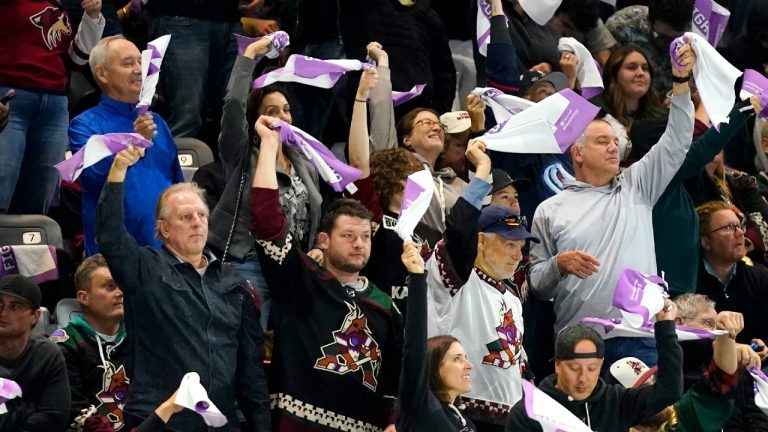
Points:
[(611, 407)]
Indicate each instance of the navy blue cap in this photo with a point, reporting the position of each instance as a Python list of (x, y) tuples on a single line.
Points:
[(504, 221)]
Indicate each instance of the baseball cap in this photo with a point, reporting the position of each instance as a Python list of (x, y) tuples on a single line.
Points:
[(568, 338), (23, 288), (456, 121), (530, 78), (504, 221), (631, 372)]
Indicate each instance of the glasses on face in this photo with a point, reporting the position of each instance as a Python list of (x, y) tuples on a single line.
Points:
[(730, 228), (429, 124), (513, 221)]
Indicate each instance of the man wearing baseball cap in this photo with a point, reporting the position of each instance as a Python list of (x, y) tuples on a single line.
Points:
[(33, 362), (470, 295), (536, 86), (577, 386)]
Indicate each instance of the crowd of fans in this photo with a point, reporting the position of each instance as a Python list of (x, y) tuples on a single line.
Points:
[(301, 308)]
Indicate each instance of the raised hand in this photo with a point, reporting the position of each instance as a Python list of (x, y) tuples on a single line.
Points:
[(145, 126), (476, 109), (412, 259)]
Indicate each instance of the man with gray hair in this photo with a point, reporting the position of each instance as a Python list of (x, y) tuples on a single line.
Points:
[(601, 223), (185, 310), (116, 66)]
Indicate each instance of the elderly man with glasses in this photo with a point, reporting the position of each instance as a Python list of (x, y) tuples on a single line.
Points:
[(734, 283)]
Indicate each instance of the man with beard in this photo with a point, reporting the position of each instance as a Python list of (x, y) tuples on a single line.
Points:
[(337, 337), (733, 283)]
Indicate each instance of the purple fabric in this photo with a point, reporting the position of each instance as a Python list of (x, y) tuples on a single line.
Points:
[(529, 390), (9, 389), (630, 290), (280, 40), (10, 264), (574, 119), (757, 84), (759, 374), (399, 98), (485, 7), (673, 47), (334, 172), (708, 21), (114, 142), (412, 191), (308, 68)]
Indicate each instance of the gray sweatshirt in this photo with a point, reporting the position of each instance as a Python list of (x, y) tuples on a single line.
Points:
[(613, 223)]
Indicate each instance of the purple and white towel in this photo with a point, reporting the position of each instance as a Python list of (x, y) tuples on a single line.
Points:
[(151, 59), (419, 188), (192, 395), (280, 40), (310, 71), (616, 328), (709, 20), (399, 98), (761, 389), (37, 262), (97, 148), (483, 26), (550, 126), (502, 105), (755, 84), (9, 389), (587, 72), (552, 416), (337, 174), (639, 297)]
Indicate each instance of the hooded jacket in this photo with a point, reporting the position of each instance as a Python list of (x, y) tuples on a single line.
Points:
[(611, 407), (97, 375)]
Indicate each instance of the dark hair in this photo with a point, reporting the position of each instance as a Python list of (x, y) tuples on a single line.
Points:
[(582, 13), (437, 347), (566, 341), (342, 207), (676, 13), (405, 125), (389, 169), (255, 98), (648, 106), (84, 272)]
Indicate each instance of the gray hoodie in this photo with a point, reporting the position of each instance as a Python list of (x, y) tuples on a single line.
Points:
[(613, 223)]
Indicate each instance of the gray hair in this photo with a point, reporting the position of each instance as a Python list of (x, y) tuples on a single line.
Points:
[(99, 53), (161, 210), (688, 305)]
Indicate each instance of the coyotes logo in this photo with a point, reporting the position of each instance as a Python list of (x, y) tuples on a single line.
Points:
[(353, 349), (53, 23), (114, 395), (506, 350)]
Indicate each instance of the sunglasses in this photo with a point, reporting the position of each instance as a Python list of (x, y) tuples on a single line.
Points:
[(511, 221)]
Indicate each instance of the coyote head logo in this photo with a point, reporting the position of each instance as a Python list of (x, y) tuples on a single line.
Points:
[(53, 23)]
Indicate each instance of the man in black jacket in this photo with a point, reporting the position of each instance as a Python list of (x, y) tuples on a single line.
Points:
[(577, 385)]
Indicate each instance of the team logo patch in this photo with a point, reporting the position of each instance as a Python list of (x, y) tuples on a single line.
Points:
[(53, 23), (113, 395), (59, 336), (505, 351), (353, 349)]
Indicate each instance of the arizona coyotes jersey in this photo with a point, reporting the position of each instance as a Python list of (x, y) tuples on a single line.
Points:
[(34, 38)]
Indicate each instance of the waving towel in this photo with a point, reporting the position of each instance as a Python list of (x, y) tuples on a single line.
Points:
[(552, 416), (151, 59), (503, 105), (37, 262), (540, 11), (310, 71), (419, 188), (714, 76), (639, 297), (710, 20), (587, 72), (399, 98), (334, 172), (761, 389), (754, 83), (617, 328), (9, 389), (97, 148), (280, 40), (192, 395), (483, 26)]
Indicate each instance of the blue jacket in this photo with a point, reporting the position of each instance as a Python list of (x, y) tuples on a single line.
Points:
[(180, 322), (157, 170)]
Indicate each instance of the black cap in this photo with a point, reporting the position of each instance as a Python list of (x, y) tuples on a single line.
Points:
[(570, 336), (501, 180), (21, 287), (532, 77)]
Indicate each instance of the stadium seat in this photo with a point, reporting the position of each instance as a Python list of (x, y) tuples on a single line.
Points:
[(29, 230), (193, 154), (43, 325), (66, 310)]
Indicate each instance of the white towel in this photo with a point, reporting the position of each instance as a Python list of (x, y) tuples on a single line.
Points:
[(192, 395), (715, 78), (37, 262), (586, 71), (419, 188), (503, 105), (540, 11)]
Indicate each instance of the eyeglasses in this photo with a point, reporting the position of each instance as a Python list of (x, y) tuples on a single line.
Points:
[(513, 221), (430, 124), (730, 228)]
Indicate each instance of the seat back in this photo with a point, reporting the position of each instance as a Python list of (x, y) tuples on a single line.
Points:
[(66, 310), (42, 326), (29, 230), (193, 154)]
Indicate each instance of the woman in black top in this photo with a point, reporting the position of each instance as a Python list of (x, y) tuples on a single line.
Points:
[(435, 371)]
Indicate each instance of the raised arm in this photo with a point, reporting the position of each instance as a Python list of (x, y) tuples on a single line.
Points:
[(655, 170), (383, 134), (88, 32), (502, 66), (359, 149), (234, 138)]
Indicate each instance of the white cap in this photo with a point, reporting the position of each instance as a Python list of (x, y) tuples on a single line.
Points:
[(456, 121), (632, 372)]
